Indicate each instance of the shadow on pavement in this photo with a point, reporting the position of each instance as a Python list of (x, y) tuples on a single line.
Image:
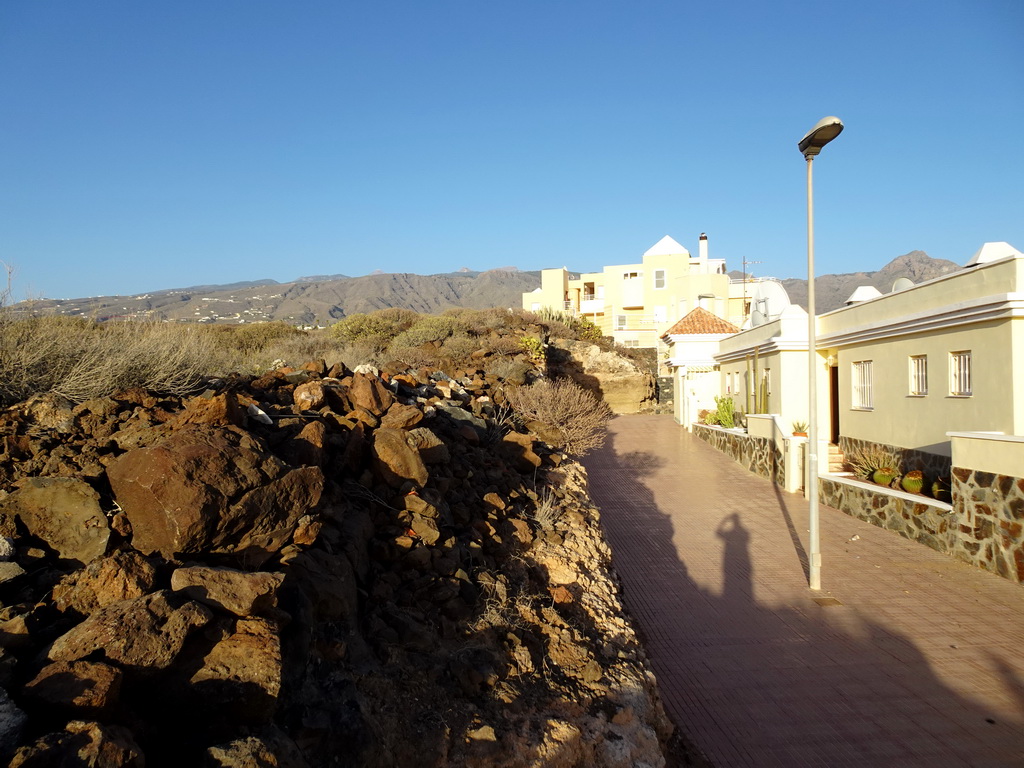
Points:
[(780, 686)]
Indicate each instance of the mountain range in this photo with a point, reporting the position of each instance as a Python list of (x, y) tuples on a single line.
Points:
[(324, 299)]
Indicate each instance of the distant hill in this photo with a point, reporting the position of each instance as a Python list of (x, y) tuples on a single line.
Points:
[(324, 299), (316, 300), (832, 291)]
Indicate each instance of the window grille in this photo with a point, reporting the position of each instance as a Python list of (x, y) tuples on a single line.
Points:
[(620, 322), (863, 391), (659, 278), (919, 375), (960, 373)]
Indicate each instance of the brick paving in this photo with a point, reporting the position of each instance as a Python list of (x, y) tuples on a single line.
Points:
[(922, 663)]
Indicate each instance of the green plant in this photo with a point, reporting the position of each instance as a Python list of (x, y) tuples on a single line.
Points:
[(864, 461), (379, 327), (941, 490), (534, 347), (430, 329), (885, 476), (580, 416), (725, 411), (708, 417), (800, 427), (913, 481)]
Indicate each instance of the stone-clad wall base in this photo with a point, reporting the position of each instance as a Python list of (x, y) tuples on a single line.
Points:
[(926, 521), (990, 512), (755, 454)]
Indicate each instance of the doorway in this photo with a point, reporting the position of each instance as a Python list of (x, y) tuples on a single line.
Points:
[(833, 399)]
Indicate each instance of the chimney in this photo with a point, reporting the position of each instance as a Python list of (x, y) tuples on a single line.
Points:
[(702, 252)]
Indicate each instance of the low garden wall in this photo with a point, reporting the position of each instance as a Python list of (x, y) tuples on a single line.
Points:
[(988, 499), (760, 455), (932, 464), (915, 517)]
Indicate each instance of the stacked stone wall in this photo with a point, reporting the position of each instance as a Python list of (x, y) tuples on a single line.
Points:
[(989, 509), (759, 455), (921, 519)]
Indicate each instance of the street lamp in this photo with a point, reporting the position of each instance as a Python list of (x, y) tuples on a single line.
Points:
[(810, 145)]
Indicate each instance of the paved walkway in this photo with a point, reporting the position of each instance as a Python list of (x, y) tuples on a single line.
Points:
[(922, 663)]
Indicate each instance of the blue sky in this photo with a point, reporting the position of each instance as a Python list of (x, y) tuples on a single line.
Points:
[(157, 145)]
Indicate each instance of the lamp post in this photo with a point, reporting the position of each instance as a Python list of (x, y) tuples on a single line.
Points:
[(810, 145)]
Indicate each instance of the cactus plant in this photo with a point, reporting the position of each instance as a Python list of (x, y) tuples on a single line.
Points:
[(913, 481), (940, 490), (885, 476)]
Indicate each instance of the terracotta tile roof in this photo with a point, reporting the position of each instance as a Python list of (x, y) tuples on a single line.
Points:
[(701, 321)]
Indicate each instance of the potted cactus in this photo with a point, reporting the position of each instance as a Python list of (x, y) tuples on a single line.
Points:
[(799, 429), (913, 481)]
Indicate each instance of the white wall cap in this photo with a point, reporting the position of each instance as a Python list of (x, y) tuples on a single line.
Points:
[(793, 310)]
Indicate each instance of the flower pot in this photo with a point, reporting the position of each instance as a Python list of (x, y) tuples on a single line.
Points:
[(799, 434)]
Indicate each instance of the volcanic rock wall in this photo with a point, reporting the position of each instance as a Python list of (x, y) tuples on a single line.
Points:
[(308, 568)]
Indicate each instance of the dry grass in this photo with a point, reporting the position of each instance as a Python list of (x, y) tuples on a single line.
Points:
[(563, 404), (82, 360)]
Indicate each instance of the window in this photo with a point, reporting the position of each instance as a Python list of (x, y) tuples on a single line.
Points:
[(631, 342), (631, 275), (768, 380), (960, 373), (728, 383), (919, 374), (620, 322), (862, 389), (659, 278)]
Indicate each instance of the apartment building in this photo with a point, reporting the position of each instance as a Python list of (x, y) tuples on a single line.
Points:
[(637, 303)]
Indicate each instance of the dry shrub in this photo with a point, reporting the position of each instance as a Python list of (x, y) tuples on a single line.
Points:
[(578, 414), (378, 328), (509, 370), (82, 360)]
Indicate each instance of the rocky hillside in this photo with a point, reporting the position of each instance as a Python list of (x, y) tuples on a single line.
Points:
[(311, 567), (832, 291), (308, 301)]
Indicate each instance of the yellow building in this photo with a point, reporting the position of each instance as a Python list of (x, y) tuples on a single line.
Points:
[(637, 303)]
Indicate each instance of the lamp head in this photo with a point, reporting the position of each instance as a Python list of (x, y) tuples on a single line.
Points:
[(821, 134)]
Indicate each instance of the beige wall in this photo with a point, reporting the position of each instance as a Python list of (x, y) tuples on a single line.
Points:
[(989, 453), (921, 422), (649, 311)]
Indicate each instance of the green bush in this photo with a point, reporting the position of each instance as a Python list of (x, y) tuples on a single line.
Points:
[(378, 328), (430, 329)]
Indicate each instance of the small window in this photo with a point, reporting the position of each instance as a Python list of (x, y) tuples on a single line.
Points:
[(631, 343), (728, 383), (863, 395), (960, 374), (631, 275), (919, 375), (659, 278), (768, 380), (620, 322)]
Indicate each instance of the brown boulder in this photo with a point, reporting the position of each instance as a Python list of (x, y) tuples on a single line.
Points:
[(85, 744), (240, 677), (429, 446), (207, 490), (518, 449), (367, 391), (310, 396), (307, 449), (143, 634), (121, 576), (64, 512), (270, 749), (87, 686), (220, 411), (396, 458), (237, 592), (402, 417)]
